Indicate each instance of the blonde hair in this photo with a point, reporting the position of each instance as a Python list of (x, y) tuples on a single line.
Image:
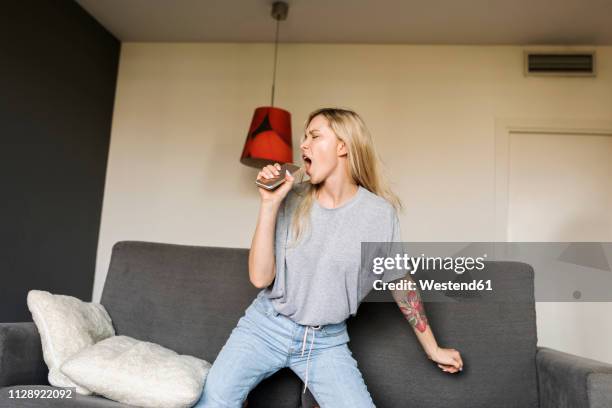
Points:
[(364, 164)]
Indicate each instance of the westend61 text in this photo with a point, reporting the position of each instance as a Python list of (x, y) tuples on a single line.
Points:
[(433, 285)]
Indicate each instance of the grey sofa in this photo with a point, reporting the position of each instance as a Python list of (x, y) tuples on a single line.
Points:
[(189, 298)]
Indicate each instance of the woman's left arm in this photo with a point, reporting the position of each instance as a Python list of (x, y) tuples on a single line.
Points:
[(411, 305)]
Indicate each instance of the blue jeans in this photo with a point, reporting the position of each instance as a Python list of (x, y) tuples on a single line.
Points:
[(265, 341)]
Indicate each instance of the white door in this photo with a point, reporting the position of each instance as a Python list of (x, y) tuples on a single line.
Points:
[(560, 190)]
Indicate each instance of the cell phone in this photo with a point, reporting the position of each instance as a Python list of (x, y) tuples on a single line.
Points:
[(274, 182)]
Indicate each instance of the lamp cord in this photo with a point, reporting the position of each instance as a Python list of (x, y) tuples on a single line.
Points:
[(275, 53)]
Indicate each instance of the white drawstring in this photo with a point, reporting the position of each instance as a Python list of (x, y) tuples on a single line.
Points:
[(304, 346)]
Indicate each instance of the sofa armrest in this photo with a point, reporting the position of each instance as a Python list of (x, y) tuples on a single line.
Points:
[(21, 359), (569, 381)]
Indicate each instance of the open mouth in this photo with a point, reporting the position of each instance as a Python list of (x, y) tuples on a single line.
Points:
[(307, 160)]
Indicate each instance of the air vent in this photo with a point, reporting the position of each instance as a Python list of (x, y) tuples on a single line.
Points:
[(561, 64)]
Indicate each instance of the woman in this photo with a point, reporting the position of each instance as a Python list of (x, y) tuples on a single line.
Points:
[(305, 256)]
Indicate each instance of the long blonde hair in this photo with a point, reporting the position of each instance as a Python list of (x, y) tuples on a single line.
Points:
[(364, 164)]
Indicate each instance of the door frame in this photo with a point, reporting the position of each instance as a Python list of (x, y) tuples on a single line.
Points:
[(504, 127)]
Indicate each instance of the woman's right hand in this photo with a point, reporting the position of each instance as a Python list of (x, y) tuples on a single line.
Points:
[(275, 196)]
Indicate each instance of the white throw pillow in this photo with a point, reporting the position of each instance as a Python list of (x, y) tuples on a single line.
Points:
[(66, 325), (138, 373)]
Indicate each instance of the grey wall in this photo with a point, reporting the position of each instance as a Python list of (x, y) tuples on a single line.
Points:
[(58, 70)]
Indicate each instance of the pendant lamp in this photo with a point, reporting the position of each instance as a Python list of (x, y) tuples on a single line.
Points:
[(269, 138)]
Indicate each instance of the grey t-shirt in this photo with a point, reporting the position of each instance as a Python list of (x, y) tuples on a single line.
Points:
[(319, 281)]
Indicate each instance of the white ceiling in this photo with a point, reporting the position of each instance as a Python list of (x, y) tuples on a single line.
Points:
[(572, 22)]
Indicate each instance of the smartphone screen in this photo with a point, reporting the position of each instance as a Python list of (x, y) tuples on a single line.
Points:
[(272, 183)]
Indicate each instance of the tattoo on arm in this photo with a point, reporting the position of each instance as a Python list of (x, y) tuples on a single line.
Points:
[(412, 307)]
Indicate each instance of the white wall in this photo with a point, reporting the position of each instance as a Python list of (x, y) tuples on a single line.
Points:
[(182, 112)]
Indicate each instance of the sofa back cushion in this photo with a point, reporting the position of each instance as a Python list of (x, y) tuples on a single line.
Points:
[(496, 338), (188, 299)]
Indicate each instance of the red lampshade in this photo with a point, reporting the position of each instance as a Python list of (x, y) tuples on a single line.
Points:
[(269, 138)]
